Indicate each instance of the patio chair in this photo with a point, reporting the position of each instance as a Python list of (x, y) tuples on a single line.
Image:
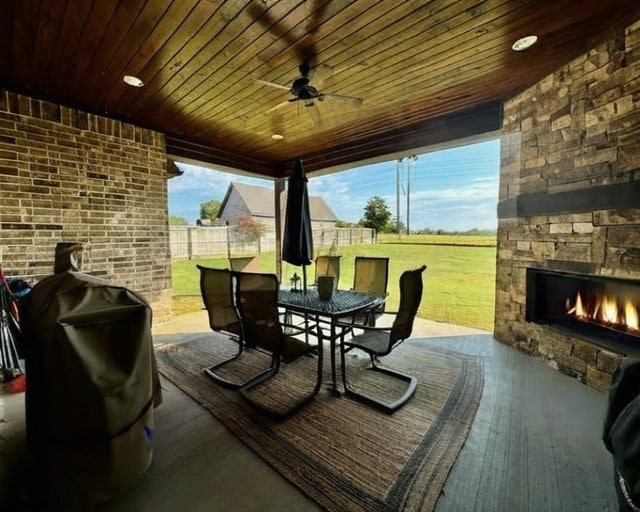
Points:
[(328, 266), (371, 275), (380, 341), (257, 302), (216, 288)]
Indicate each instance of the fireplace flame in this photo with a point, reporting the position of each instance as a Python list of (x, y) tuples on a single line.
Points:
[(606, 310), (609, 310), (631, 316), (578, 309)]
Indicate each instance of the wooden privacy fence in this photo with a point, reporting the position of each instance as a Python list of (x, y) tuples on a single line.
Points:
[(196, 241)]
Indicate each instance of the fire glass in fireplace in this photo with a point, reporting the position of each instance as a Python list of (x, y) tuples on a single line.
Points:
[(603, 310)]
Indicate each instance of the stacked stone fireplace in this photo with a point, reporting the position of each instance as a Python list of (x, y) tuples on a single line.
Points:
[(601, 310), (570, 206)]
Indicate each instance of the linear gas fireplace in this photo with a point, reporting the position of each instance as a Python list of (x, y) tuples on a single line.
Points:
[(602, 310)]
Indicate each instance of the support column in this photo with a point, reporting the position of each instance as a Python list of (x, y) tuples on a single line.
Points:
[(277, 194)]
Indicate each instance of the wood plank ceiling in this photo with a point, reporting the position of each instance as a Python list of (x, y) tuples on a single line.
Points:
[(424, 70)]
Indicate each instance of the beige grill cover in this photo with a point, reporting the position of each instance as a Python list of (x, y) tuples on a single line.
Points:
[(92, 386)]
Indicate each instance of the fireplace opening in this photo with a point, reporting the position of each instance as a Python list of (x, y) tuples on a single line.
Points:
[(602, 310)]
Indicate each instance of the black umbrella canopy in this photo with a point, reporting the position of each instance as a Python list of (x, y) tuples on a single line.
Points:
[(297, 245)]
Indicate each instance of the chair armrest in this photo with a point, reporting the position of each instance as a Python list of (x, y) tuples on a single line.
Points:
[(362, 327), (353, 323), (383, 296)]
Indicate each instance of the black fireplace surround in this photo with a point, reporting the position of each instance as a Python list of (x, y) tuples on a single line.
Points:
[(552, 294)]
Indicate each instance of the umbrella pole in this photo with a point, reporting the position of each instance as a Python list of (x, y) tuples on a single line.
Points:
[(304, 278)]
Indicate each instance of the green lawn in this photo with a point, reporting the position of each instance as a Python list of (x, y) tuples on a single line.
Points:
[(459, 283), (467, 240)]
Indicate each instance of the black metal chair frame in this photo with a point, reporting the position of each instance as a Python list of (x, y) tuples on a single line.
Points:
[(234, 335), (254, 333), (397, 333)]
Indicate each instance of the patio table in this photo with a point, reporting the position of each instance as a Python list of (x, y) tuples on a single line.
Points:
[(341, 304)]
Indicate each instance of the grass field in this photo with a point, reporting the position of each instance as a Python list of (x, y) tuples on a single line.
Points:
[(463, 240), (459, 283)]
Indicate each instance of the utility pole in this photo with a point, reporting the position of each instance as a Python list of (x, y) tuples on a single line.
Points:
[(411, 159), (399, 162), (408, 191), (277, 206)]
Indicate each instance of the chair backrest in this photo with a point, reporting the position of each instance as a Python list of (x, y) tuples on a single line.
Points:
[(328, 266), (371, 275), (257, 301), (410, 297), (216, 288)]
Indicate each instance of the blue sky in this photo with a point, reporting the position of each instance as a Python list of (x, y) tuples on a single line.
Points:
[(451, 189)]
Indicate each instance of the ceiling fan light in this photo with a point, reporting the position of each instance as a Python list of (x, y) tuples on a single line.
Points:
[(523, 43), (133, 81)]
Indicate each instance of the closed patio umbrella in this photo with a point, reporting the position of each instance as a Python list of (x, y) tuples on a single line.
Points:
[(297, 246)]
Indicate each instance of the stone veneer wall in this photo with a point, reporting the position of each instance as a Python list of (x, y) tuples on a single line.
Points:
[(570, 194), (66, 175)]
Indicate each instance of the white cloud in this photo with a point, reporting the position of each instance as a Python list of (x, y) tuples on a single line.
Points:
[(333, 189), (215, 183), (476, 190), (337, 191), (196, 179), (459, 208)]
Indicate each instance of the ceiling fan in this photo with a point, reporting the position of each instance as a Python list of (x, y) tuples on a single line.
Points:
[(302, 90)]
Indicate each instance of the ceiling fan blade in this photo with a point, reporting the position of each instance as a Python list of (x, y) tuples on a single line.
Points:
[(314, 113), (271, 84), (301, 47), (319, 74), (302, 38), (356, 102), (280, 105)]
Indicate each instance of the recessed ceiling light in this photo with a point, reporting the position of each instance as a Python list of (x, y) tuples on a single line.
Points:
[(133, 81), (277, 136), (523, 43)]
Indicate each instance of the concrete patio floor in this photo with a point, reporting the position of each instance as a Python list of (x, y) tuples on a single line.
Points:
[(194, 456), (200, 466)]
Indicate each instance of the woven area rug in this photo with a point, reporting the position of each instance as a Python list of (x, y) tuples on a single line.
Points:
[(343, 454)]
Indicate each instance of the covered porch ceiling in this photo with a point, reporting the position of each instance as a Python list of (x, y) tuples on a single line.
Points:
[(384, 77)]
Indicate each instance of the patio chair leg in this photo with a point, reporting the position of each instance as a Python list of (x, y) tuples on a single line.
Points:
[(211, 371), (279, 415), (388, 407), (254, 379)]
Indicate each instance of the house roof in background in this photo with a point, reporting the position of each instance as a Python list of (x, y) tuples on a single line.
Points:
[(259, 202)]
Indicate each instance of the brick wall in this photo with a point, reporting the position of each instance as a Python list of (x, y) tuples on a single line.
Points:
[(66, 175), (570, 194)]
